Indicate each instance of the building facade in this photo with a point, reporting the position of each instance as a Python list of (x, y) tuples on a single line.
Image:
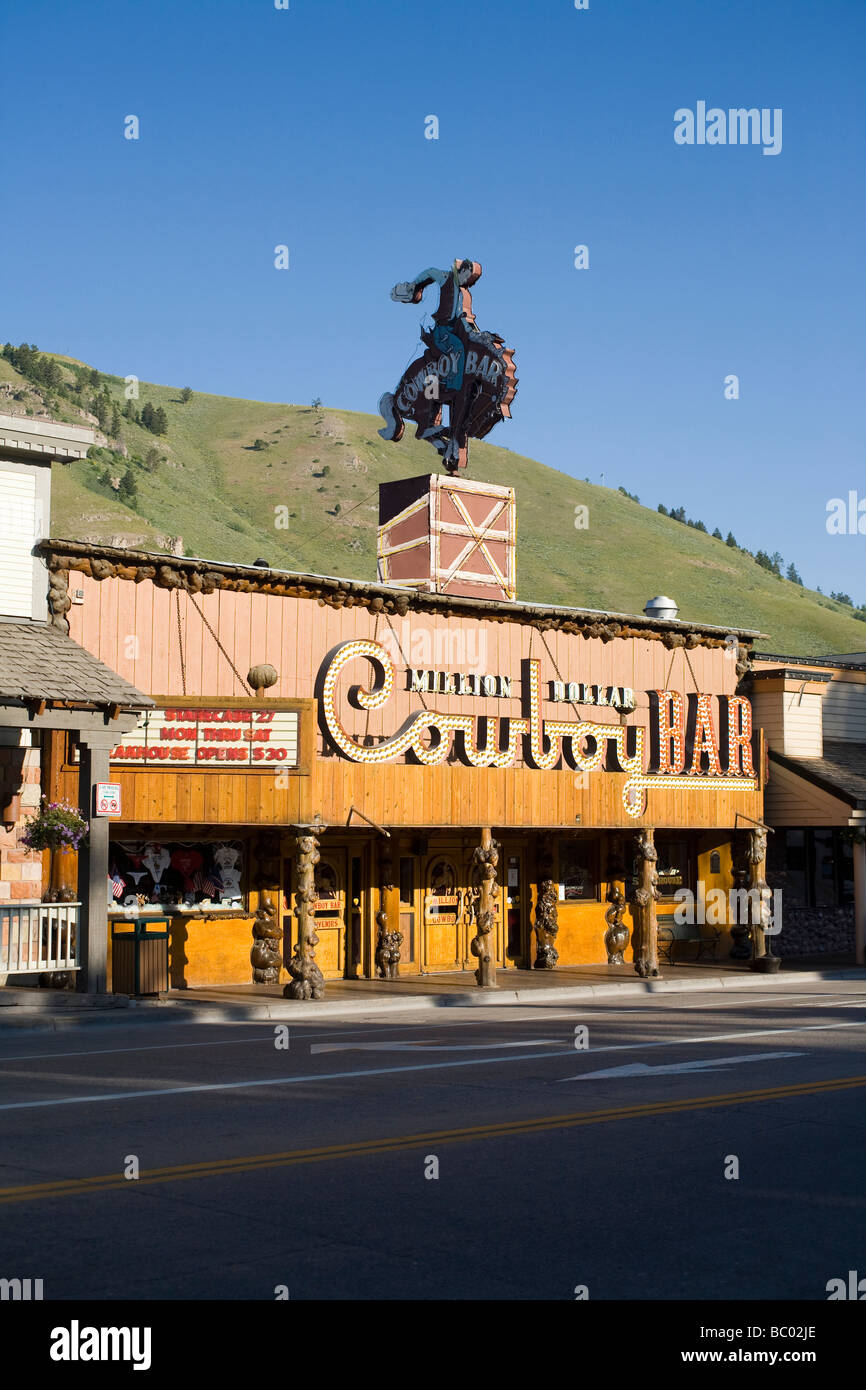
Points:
[(813, 711), (359, 757), (51, 690)]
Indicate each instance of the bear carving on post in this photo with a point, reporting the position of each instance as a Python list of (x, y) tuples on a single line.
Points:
[(307, 980), (646, 957), (485, 858)]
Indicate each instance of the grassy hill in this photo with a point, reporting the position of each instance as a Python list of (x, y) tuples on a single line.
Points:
[(211, 493)]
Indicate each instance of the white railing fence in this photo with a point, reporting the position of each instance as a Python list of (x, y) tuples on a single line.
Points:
[(38, 936)]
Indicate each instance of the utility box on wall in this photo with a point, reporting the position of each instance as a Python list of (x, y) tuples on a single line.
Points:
[(447, 535)]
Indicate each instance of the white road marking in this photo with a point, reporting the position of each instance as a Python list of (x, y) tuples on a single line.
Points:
[(708, 1064), (653, 1002), (155, 1093), (409, 1044)]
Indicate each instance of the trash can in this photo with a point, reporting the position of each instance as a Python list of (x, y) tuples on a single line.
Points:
[(139, 956)]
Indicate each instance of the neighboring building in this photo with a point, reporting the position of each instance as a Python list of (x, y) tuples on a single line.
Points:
[(50, 689), (244, 774), (813, 711)]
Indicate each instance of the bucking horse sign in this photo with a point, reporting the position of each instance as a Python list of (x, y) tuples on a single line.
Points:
[(469, 372)]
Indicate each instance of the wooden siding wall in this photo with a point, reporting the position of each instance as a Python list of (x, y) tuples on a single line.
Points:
[(394, 794), (768, 714), (205, 798), (791, 720), (791, 800), (134, 629), (845, 711)]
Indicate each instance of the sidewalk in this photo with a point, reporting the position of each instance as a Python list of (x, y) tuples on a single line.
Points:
[(56, 1010)]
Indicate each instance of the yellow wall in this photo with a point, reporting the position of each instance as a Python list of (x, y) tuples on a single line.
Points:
[(580, 939), (202, 953)]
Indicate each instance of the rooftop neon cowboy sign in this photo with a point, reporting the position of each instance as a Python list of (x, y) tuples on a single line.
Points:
[(470, 372)]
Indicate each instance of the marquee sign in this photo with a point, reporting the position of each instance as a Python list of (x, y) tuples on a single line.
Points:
[(429, 737), (470, 372), (212, 737)]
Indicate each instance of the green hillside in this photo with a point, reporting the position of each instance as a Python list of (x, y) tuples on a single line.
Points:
[(208, 492)]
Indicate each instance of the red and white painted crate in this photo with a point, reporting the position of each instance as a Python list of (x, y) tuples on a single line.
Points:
[(447, 535)]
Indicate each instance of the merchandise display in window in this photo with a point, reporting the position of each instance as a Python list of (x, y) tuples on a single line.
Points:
[(176, 874)]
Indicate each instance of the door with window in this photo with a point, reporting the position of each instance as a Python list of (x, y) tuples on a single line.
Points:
[(512, 877), (409, 892), (329, 913), (443, 932)]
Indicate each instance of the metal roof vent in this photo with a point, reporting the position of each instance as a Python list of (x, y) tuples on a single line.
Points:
[(661, 607)]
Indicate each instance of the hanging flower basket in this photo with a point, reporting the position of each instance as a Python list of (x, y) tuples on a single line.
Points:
[(60, 828)]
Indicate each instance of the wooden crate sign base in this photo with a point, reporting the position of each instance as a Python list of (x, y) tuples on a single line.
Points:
[(447, 535)]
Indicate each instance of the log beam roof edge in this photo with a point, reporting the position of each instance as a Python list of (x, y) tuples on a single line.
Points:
[(205, 576)]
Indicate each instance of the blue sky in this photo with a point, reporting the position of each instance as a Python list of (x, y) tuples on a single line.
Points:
[(306, 127)]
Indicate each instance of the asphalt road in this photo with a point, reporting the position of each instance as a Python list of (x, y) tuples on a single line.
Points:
[(311, 1167)]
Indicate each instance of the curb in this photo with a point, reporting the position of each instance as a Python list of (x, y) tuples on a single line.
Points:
[(277, 1010)]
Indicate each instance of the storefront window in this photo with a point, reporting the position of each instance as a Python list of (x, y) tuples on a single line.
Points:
[(813, 868), (845, 861), (824, 868), (181, 874), (672, 865), (795, 884), (578, 874)]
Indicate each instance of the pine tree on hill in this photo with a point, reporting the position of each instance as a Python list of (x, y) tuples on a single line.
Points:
[(128, 491)]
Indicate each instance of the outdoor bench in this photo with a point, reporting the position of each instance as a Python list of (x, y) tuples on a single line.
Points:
[(670, 932)]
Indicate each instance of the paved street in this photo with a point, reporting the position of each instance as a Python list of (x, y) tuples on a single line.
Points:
[(558, 1165)]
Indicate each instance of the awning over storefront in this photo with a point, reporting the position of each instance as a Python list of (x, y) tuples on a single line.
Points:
[(40, 663), (830, 790)]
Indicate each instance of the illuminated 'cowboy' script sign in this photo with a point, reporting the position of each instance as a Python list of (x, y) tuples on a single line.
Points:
[(486, 741)]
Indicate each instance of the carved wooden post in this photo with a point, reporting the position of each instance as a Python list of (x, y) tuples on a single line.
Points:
[(486, 857), (616, 936), (741, 872), (646, 896), (758, 892), (546, 923), (307, 979), (388, 943), (266, 953)]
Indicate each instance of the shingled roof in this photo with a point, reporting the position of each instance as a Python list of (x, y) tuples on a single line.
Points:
[(841, 771), (39, 662)]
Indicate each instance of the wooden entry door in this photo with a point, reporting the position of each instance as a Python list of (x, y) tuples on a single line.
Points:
[(514, 891), (329, 913), (443, 930)]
